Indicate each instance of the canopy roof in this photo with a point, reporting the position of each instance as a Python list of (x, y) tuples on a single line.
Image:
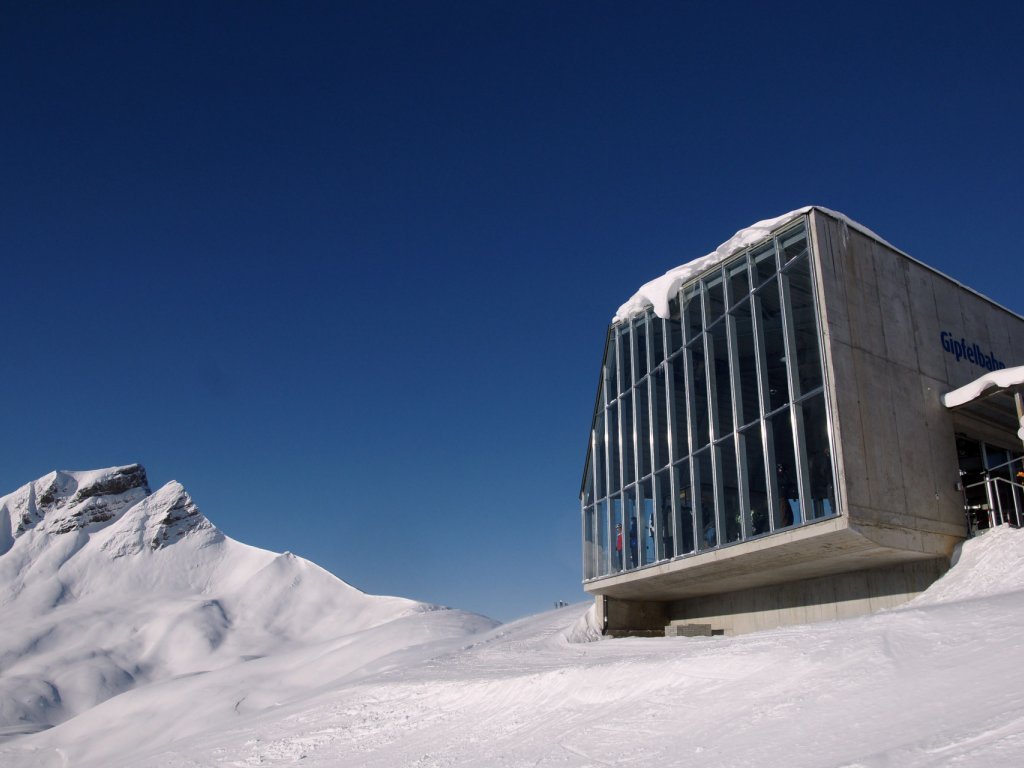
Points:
[(997, 392)]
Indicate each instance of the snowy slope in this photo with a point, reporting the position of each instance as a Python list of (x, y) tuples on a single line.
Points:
[(107, 587), (937, 682)]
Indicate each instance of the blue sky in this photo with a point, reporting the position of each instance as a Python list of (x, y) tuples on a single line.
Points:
[(344, 270)]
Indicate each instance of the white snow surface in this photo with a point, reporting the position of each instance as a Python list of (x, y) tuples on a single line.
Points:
[(107, 588), (937, 682), (659, 291), (1006, 377)]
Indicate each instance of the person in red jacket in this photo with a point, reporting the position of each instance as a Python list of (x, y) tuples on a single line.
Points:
[(618, 546)]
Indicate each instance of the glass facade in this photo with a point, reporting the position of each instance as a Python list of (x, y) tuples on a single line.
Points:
[(711, 426)]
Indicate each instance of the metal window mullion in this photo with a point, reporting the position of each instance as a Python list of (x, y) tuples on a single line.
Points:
[(711, 377), (652, 423), (650, 452), (718, 494), (610, 525), (634, 367), (618, 421), (746, 523), (648, 383), (795, 417), (741, 458), (812, 262), (598, 468), (659, 542), (694, 495), (767, 447), (583, 528), (673, 429), (803, 474)]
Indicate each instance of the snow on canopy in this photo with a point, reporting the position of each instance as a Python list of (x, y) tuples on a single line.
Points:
[(1001, 379), (658, 292)]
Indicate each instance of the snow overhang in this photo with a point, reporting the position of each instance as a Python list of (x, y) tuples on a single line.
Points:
[(996, 397), (658, 292)]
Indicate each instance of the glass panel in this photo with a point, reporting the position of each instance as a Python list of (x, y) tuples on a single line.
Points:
[(704, 481), (680, 433), (632, 528), (739, 281), (819, 459), (599, 453), (659, 387), (611, 380), (588, 479), (721, 390), (603, 528), (759, 506), (643, 429), (664, 541), (657, 333), (805, 327), (648, 526), (746, 376), (625, 358), (1015, 490), (628, 457), (774, 345), (684, 508), (589, 543), (673, 327), (793, 244), (786, 471), (613, 449), (698, 396), (995, 459), (692, 312), (714, 298), (763, 259), (998, 463), (972, 476), (640, 335), (617, 538), (729, 495)]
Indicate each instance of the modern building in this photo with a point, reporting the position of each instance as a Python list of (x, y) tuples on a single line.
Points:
[(770, 445)]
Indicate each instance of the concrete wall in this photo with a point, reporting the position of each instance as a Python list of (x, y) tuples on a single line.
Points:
[(884, 313), (838, 596)]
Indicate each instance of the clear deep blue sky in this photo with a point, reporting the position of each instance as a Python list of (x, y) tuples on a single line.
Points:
[(344, 270)]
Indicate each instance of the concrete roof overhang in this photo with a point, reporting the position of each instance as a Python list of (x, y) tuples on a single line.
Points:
[(818, 549), (996, 401)]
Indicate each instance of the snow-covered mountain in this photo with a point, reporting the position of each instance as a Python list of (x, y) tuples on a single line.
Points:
[(106, 587)]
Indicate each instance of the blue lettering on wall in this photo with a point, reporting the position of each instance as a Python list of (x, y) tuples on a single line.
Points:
[(962, 349)]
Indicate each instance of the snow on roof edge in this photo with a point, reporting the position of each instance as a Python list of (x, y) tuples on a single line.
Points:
[(657, 293)]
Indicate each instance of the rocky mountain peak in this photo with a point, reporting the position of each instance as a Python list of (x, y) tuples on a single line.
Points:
[(175, 516), (65, 501)]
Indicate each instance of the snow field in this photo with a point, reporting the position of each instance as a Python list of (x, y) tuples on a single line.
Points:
[(210, 653)]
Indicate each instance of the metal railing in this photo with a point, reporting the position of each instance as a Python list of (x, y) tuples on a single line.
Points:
[(1003, 502)]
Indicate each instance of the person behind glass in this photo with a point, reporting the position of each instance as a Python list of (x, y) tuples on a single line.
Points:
[(618, 546), (633, 542), (787, 491)]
